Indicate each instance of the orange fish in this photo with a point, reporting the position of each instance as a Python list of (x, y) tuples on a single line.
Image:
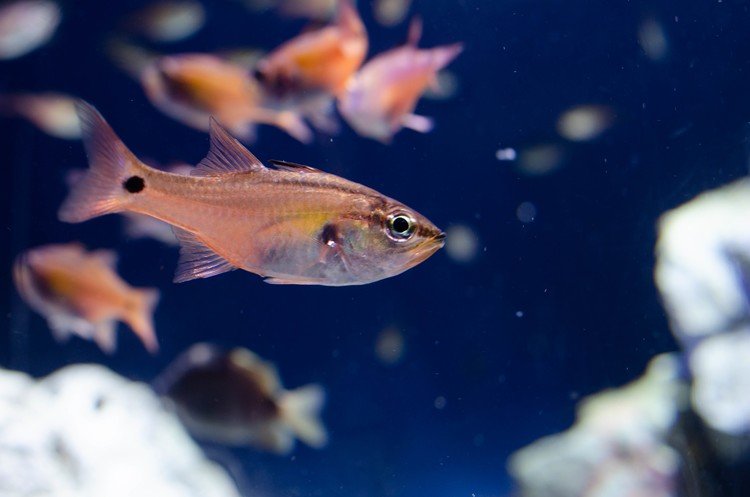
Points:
[(80, 293), (193, 87), (293, 224), (382, 96), (236, 398), (322, 60)]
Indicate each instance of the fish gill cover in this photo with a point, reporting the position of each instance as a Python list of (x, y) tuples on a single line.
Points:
[(547, 150)]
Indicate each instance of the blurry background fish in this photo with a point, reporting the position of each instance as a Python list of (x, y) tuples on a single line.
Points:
[(236, 398), (26, 25), (79, 293), (167, 21), (53, 113)]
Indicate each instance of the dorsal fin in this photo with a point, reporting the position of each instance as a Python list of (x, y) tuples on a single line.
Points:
[(293, 166), (226, 155)]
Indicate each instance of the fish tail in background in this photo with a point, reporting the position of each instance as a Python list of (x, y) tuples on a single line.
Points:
[(444, 55), (348, 17), (300, 409), (104, 188), (287, 120), (139, 317)]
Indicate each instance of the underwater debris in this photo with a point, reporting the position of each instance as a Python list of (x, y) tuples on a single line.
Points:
[(391, 12), (526, 212), (390, 346), (653, 39), (584, 122), (79, 293), (259, 221), (168, 21), (53, 113), (540, 159), (26, 25), (381, 97), (86, 431), (461, 243), (617, 446), (236, 398)]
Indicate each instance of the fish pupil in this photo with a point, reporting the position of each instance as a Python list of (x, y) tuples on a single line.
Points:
[(401, 224), (134, 184)]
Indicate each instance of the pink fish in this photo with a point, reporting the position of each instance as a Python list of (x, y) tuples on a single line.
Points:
[(53, 113), (80, 293), (382, 96)]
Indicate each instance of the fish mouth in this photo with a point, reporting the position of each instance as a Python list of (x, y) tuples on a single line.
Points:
[(440, 237)]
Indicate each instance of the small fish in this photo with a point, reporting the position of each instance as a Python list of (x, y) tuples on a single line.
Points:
[(168, 21), (319, 10), (236, 398), (53, 113), (80, 293), (293, 224), (26, 25), (322, 60), (192, 87), (382, 96)]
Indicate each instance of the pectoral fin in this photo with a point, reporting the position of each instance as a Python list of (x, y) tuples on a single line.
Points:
[(196, 259)]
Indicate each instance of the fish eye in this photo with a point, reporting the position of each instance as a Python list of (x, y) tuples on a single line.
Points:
[(400, 227)]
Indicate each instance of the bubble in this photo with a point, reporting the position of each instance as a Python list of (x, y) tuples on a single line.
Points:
[(526, 212), (585, 122), (541, 159), (506, 154), (653, 39), (440, 403), (462, 243), (390, 346)]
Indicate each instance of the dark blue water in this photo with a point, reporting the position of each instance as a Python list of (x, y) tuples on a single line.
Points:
[(580, 273)]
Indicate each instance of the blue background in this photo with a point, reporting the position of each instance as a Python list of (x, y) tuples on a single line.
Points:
[(581, 273)]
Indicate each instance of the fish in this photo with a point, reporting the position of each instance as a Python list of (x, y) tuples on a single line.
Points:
[(53, 113), (236, 398), (381, 97), (80, 293), (321, 10), (26, 25), (192, 87), (321, 60), (168, 21), (291, 224), (390, 12)]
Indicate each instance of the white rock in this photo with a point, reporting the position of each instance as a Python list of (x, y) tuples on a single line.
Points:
[(84, 431), (615, 449), (721, 388)]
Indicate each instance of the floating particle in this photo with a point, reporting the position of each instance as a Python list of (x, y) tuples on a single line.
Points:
[(526, 212), (440, 402), (653, 39), (519, 314), (584, 122), (541, 159), (389, 346), (391, 12), (462, 243), (444, 87), (506, 154), (26, 25)]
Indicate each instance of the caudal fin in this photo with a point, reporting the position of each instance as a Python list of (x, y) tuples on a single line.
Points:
[(102, 189), (139, 317), (301, 410)]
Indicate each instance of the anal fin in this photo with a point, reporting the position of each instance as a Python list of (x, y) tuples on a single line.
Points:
[(196, 259)]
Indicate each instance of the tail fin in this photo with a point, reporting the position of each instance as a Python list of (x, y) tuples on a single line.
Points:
[(301, 410), (348, 17), (287, 120), (100, 191), (443, 55), (140, 317)]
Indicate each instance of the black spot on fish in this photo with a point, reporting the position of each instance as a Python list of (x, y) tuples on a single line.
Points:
[(329, 234), (134, 184)]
